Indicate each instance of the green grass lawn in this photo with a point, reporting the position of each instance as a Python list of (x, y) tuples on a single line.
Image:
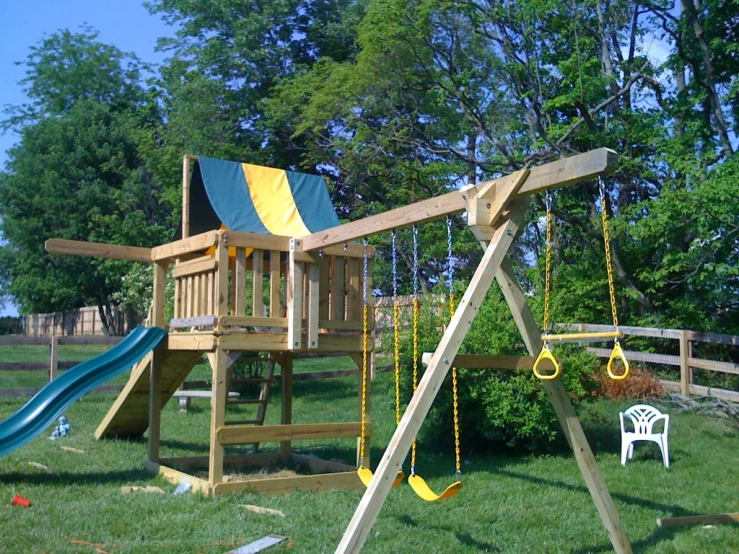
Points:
[(509, 504)]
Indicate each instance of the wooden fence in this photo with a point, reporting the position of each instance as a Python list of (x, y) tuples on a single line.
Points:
[(84, 321), (52, 365), (684, 360)]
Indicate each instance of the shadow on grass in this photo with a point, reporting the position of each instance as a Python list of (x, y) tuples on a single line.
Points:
[(67, 478), (464, 538), (659, 535)]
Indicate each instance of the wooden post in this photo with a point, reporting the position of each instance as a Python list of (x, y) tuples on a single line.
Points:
[(160, 278), (221, 284), (294, 299), (358, 358), (53, 358), (155, 401), (257, 301), (219, 391), (565, 413), (314, 274), (286, 382), (369, 507), (684, 363), (185, 196)]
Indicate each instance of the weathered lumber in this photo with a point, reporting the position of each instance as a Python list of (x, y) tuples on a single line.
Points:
[(553, 175), (98, 250)]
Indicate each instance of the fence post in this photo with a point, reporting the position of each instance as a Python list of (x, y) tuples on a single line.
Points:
[(684, 363), (53, 357)]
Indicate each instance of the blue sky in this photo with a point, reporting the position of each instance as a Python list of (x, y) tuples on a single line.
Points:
[(123, 23)]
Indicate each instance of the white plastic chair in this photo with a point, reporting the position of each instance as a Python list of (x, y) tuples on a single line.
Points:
[(643, 418)]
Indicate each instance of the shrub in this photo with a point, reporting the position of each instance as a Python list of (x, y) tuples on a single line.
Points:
[(640, 384), (497, 407)]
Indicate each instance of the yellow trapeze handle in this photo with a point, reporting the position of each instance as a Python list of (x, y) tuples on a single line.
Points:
[(615, 355), (366, 476), (546, 354), (424, 491)]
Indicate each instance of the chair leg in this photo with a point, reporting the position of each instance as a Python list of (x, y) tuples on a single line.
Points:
[(665, 452), (631, 450), (625, 447)]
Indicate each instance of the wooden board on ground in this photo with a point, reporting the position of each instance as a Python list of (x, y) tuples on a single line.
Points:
[(258, 545)]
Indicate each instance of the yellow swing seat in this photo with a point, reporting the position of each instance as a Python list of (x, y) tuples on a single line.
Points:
[(366, 476), (421, 488)]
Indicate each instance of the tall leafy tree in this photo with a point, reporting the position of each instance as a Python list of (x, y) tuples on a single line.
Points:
[(76, 174)]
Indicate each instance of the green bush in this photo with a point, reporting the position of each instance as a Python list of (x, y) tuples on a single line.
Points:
[(498, 408)]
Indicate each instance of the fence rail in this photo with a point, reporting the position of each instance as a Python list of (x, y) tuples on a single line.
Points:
[(685, 360), (52, 365)]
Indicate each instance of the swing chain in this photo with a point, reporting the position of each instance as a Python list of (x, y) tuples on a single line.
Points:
[(416, 310), (365, 326), (450, 257), (455, 389), (396, 327), (548, 260), (607, 244)]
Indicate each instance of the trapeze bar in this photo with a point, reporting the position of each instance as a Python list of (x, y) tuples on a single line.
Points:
[(583, 337)]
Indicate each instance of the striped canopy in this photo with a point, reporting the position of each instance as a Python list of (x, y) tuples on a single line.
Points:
[(257, 199)]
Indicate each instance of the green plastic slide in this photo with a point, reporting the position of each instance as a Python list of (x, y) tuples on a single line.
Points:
[(50, 402)]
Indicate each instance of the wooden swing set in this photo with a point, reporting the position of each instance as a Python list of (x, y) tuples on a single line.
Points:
[(318, 302)]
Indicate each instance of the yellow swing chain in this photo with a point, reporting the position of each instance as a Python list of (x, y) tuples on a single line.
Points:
[(396, 330), (617, 353), (455, 389), (545, 353), (365, 327)]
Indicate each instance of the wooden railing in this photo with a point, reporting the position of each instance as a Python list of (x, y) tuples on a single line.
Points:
[(685, 360), (231, 280)]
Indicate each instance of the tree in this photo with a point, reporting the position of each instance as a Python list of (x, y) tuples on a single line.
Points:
[(76, 174)]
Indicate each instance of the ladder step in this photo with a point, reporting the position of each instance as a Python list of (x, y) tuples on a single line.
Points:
[(245, 422)]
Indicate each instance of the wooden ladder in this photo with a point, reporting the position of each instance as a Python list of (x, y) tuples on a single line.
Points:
[(265, 391)]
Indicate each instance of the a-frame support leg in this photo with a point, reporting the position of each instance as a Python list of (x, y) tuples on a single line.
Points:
[(419, 406), (565, 413)]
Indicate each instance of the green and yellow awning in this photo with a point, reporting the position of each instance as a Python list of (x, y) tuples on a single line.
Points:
[(257, 199)]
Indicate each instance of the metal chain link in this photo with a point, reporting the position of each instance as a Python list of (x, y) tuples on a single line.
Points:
[(416, 311), (365, 326), (396, 328), (455, 388), (548, 263), (607, 244)]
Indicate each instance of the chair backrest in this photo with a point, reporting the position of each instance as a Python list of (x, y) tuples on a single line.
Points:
[(643, 417)]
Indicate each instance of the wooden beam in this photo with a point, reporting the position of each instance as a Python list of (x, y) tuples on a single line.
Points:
[(218, 362), (198, 265), (185, 246), (245, 434), (314, 275), (575, 169), (557, 394), (369, 507), (486, 361), (175, 476), (286, 400), (284, 485), (294, 298), (707, 519), (186, 159), (98, 250), (155, 402)]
